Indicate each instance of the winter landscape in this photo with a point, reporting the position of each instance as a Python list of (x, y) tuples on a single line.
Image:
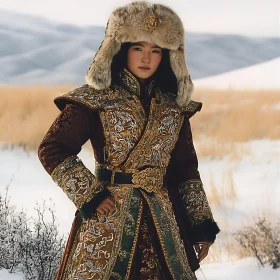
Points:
[(236, 135)]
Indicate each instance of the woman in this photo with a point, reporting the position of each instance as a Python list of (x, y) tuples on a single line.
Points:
[(143, 212)]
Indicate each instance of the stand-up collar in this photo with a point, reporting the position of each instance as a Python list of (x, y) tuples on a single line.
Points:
[(132, 85)]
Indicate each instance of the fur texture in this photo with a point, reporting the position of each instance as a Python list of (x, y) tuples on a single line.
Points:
[(143, 21)]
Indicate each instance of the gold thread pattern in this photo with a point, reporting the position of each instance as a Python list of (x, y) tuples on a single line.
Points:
[(76, 181), (134, 241), (150, 179), (98, 242), (160, 135), (195, 201), (150, 21)]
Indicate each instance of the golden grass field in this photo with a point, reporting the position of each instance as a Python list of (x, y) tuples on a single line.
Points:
[(228, 120), (228, 117)]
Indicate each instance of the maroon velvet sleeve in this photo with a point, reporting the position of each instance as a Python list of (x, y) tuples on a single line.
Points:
[(67, 134), (183, 165), (186, 190)]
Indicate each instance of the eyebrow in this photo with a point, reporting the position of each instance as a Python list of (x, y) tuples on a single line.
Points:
[(139, 44)]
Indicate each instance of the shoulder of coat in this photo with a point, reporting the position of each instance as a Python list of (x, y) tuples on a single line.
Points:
[(192, 108), (189, 110), (87, 96)]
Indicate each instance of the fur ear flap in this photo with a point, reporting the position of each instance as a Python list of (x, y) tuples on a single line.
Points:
[(185, 85), (99, 73)]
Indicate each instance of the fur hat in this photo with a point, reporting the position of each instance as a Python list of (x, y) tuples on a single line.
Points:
[(142, 21)]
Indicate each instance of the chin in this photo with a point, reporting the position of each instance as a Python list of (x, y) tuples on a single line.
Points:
[(143, 75)]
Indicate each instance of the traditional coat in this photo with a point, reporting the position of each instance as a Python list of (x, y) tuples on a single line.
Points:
[(145, 160), (158, 149)]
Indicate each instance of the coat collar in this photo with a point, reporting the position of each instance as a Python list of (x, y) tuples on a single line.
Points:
[(129, 82)]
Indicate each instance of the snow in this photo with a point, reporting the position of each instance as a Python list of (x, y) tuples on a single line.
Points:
[(256, 180), (236, 270), (5, 275), (259, 76), (243, 269)]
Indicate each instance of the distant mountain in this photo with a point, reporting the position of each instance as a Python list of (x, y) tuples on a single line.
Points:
[(36, 50)]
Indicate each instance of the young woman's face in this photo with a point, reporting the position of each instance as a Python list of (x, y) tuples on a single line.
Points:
[(143, 59)]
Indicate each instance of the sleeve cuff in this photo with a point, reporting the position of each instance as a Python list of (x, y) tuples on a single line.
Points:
[(205, 231), (76, 181)]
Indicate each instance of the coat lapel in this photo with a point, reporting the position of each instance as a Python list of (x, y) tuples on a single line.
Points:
[(159, 135)]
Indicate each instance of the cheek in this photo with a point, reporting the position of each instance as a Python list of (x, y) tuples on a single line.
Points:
[(132, 58), (157, 60)]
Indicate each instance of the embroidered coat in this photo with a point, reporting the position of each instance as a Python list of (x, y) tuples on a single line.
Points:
[(160, 214)]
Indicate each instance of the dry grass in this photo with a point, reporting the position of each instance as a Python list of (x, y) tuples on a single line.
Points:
[(228, 117), (26, 113), (236, 115), (226, 192)]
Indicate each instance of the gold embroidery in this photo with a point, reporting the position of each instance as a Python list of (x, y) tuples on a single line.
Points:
[(90, 97), (151, 21), (159, 137), (130, 82), (98, 241), (76, 181), (195, 201), (147, 263), (122, 124), (150, 179), (134, 241), (192, 106)]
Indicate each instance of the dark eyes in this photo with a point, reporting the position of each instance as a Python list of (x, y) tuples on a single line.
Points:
[(139, 49)]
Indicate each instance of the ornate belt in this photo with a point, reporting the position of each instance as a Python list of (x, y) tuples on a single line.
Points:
[(150, 179)]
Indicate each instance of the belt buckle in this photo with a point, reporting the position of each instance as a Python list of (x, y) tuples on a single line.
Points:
[(149, 179)]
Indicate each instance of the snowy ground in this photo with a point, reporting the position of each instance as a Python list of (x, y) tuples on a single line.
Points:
[(245, 269), (256, 179)]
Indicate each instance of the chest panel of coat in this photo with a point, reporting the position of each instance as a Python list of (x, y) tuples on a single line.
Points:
[(123, 123), (159, 138), (134, 141)]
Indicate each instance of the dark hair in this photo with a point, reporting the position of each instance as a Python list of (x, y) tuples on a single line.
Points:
[(164, 76)]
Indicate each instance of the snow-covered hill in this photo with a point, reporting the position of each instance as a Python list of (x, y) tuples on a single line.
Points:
[(36, 50), (260, 76)]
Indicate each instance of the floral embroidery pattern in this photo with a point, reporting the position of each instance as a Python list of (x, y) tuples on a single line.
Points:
[(98, 242), (76, 180), (195, 201)]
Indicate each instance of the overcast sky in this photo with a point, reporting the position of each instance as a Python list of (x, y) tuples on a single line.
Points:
[(247, 17)]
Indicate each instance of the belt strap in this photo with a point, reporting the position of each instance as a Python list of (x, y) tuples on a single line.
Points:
[(104, 174), (150, 179)]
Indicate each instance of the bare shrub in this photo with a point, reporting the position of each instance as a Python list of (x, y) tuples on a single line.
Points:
[(12, 231), (32, 246), (43, 251), (262, 240)]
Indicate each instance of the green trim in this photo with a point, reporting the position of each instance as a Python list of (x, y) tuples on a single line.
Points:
[(129, 237), (169, 236)]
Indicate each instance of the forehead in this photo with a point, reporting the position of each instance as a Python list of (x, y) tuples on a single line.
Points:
[(145, 44)]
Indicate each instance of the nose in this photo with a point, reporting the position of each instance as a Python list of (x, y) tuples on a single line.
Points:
[(146, 57)]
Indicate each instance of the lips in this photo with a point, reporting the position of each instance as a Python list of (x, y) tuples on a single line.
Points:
[(145, 68)]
